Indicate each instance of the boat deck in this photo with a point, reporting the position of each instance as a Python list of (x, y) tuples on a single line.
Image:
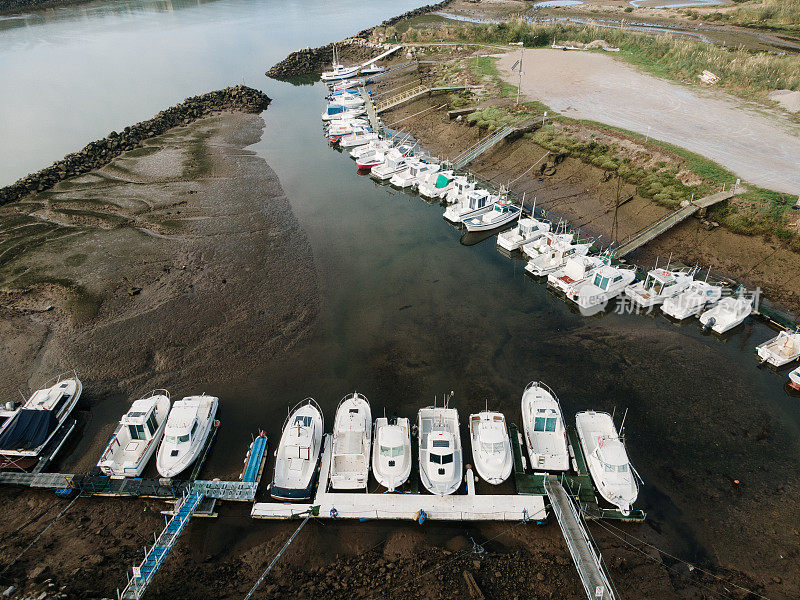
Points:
[(455, 507)]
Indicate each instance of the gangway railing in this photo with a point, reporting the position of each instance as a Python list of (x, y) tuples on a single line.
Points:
[(142, 575), (471, 154), (587, 560)]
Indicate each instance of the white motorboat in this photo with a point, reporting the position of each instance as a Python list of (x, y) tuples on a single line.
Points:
[(607, 459), (436, 184), (608, 283), (336, 112), (347, 99), (698, 296), (440, 457), (780, 350), (659, 285), (413, 174), (575, 271), (462, 188), (297, 455), (352, 437), (554, 257), (338, 71), (34, 424), (337, 133), (371, 159), (491, 448), (794, 379), (526, 230), (358, 138), (391, 452), (545, 430), (348, 84), (395, 161), (476, 203), (543, 241), (189, 424), (501, 213), (378, 145), (137, 436), (727, 314)]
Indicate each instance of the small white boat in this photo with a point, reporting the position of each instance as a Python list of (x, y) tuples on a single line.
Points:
[(34, 424), (440, 456), (413, 174), (727, 314), (371, 159), (526, 230), (502, 213), (395, 161), (698, 296), (335, 132), (297, 455), (436, 184), (794, 379), (336, 112), (379, 145), (358, 138), (352, 437), (608, 283), (476, 203), (137, 436), (391, 452), (338, 71), (554, 257), (188, 426), (780, 350), (545, 431), (461, 190), (336, 86), (575, 271), (659, 285), (607, 459), (543, 241), (491, 448), (347, 100)]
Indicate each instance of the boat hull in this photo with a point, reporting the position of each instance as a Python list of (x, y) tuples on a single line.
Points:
[(169, 466)]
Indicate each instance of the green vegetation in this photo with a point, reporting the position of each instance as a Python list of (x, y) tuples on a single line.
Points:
[(768, 14), (494, 117)]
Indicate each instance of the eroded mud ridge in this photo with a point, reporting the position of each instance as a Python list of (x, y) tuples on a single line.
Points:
[(311, 61), (101, 152)]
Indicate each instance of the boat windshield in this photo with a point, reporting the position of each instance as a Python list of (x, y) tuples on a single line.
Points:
[(391, 452), (615, 468), (601, 281), (545, 424), (137, 432), (301, 420), (441, 444), (444, 459), (654, 285), (170, 439), (494, 448), (182, 439)]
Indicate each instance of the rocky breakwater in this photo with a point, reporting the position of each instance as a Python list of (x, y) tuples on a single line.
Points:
[(101, 152), (312, 61)]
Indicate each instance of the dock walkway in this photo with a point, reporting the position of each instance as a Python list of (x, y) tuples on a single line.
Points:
[(653, 231)]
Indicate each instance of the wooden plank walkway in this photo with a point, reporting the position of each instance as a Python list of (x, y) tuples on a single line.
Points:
[(653, 231)]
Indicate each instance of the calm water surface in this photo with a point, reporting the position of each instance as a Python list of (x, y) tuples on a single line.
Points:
[(408, 312)]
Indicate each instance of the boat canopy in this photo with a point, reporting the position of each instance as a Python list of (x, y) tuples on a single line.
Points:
[(29, 430), (442, 181), (611, 452)]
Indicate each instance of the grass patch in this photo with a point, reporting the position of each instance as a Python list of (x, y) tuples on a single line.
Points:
[(494, 117)]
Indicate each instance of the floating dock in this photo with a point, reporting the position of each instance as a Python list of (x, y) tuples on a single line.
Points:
[(455, 507)]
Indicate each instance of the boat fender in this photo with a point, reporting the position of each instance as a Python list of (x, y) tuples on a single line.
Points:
[(420, 516), (334, 513)]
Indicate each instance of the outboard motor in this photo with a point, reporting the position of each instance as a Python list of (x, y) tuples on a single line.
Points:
[(709, 324)]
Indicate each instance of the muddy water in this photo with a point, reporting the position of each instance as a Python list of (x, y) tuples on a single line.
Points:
[(408, 312)]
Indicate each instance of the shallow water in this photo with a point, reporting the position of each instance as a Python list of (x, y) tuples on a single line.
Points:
[(408, 312)]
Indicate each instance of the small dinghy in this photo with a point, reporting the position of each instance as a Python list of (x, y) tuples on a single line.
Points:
[(727, 314), (394, 162), (476, 203), (137, 436), (358, 138), (780, 350), (352, 437), (440, 459), (794, 379), (188, 426), (698, 296), (413, 174), (526, 230), (502, 213), (297, 455), (29, 429), (607, 459), (491, 448), (391, 452), (608, 283), (554, 257), (575, 271), (545, 433), (659, 285)]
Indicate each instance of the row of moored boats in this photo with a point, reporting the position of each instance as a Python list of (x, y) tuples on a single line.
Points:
[(384, 448)]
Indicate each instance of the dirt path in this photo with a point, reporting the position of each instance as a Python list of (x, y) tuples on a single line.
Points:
[(586, 85)]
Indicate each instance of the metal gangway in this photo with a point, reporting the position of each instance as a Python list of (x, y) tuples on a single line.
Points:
[(414, 93), (588, 562), (374, 122), (470, 154), (142, 575), (651, 232)]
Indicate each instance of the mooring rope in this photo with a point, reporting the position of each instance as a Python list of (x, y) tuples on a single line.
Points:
[(274, 560)]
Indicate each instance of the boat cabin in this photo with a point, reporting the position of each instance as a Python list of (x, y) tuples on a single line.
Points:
[(440, 451), (478, 199), (607, 276), (300, 440), (181, 428), (140, 421), (610, 451), (659, 281), (391, 444)]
